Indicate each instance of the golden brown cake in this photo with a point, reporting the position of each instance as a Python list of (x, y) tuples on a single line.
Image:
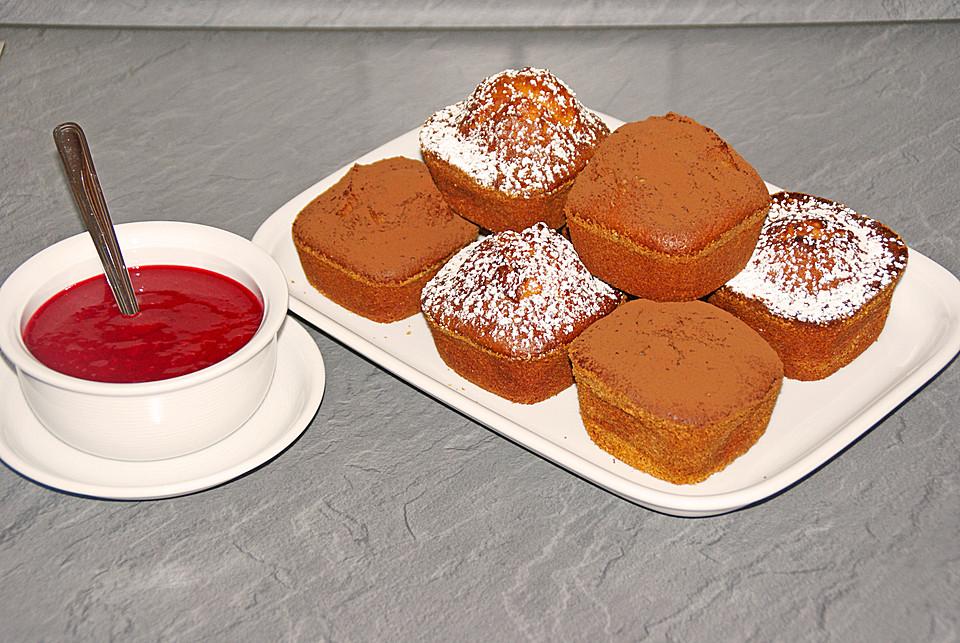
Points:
[(819, 285), (503, 311), (666, 210), (676, 389), (506, 157), (372, 240)]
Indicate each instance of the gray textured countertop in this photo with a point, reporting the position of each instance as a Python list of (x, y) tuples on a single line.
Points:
[(395, 517)]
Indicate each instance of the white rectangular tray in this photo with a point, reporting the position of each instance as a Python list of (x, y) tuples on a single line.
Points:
[(812, 421)]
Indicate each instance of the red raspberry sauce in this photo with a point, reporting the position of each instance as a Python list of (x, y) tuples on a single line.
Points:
[(189, 319)]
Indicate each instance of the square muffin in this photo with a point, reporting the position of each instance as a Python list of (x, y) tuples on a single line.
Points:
[(666, 209), (371, 241), (819, 285), (675, 389), (503, 311), (506, 156)]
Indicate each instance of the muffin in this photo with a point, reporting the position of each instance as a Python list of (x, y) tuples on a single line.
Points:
[(666, 210), (503, 311), (819, 285), (675, 389), (371, 241), (506, 156)]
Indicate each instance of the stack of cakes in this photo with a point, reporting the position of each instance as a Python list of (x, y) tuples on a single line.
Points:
[(648, 265)]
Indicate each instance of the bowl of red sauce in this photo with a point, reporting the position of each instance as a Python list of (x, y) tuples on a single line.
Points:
[(185, 372)]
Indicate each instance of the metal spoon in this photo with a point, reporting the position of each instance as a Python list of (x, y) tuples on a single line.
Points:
[(75, 155)]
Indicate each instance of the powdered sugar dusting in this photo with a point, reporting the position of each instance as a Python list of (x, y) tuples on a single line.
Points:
[(526, 291), (520, 132), (818, 261)]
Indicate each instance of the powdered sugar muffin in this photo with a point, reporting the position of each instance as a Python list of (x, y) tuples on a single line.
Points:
[(506, 156), (503, 310), (819, 284)]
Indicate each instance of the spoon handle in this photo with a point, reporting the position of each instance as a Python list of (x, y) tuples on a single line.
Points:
[(75, 155)]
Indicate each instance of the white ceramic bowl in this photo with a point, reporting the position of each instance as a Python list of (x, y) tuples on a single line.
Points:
[(149, 420)]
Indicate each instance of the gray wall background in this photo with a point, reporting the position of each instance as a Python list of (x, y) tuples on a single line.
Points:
[(463, 13)]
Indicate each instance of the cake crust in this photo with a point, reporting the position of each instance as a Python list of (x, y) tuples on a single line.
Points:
[(661, 276), (664, 451), (493, 209), (524, 380), (379, 301)]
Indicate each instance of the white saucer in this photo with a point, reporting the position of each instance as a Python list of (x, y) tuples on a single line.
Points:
[(290, 404)]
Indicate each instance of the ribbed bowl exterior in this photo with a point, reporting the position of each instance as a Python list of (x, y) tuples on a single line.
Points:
[(153, 426)]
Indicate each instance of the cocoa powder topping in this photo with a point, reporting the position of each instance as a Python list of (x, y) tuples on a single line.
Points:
[(386, 221)]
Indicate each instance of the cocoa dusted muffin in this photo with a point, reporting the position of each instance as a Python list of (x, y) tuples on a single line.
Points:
[(503, 311), (675, 389), (819, 285), (371, 241), (666, 209), (506, 156)]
